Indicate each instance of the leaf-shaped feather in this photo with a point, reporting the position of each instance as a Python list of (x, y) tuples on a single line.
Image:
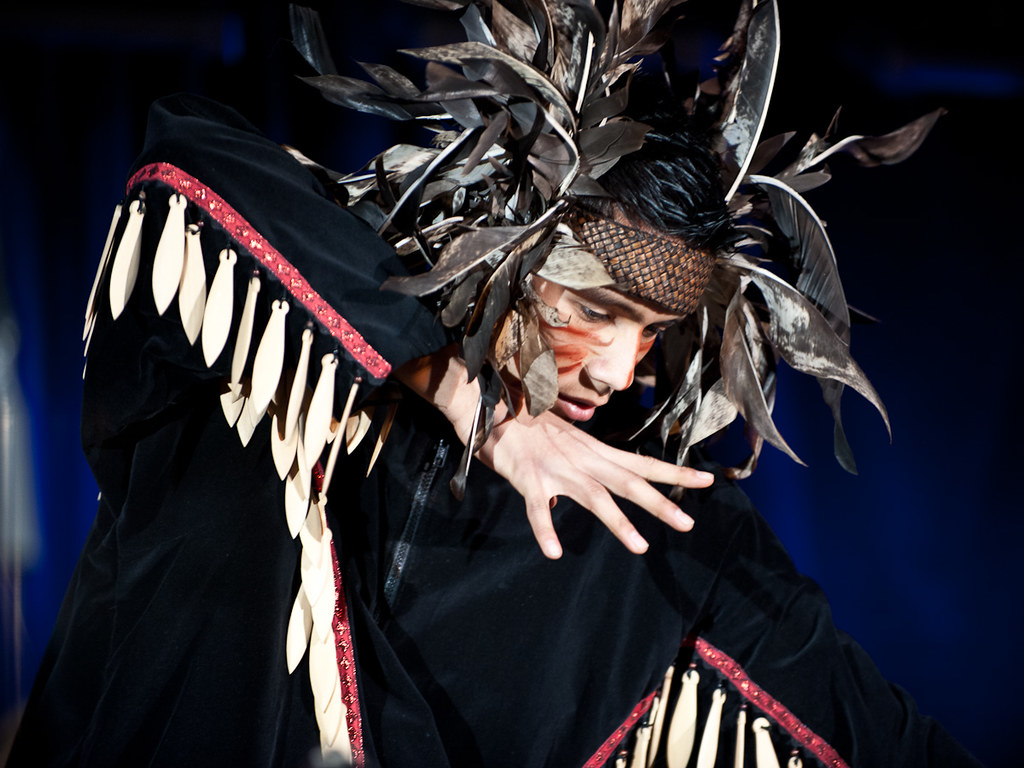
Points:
[(573, 266), (403, 213), (463, 53), (602, 146), (805, 339), (832, 392), (463, 296), (639, 17), (491, 307), (538, 368), (309, 39), (458, 257), (441, 5), (751, 91), (810, 251), (358, 95), (495, 126), (512, 34), (893, 147), (393, 82), (577, 30), (715, 413), (744, 385)]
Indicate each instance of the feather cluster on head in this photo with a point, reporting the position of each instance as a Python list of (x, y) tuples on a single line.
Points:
[(534, 113)]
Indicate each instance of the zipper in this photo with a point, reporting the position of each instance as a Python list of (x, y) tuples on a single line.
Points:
[(403, 548)]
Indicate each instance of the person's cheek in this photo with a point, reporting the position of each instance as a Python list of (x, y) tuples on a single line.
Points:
[(570, 345)]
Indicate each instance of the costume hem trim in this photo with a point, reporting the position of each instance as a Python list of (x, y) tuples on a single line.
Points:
[(260, 249), (732, 671)]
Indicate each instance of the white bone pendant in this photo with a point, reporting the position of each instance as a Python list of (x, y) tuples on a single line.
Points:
[(170, 254), (357, 426), (643, 744), (333, 733), (659, 718), (192, 293), (219, 306), (298, 391), (315, 570), (248, 420), (269, 361), (739, 753), (126, 260), (332, 460), (305, 472), (682, 730), (318, 418), (231, 404), (323, 606), (764, 752), (312, 531), (282, 447), (299, 625), (296, 500), (243, 339), (382, 436), (323, 674), (90, 304), (709, 739)]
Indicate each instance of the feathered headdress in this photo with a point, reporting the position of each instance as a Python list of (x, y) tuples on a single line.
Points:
[(528, 115)]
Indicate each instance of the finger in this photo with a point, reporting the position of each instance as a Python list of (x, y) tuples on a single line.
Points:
[(538, 512), (592, 495), (652, 469), (604, 475), (636, 489)]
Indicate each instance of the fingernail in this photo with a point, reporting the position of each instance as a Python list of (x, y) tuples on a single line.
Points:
[(684, 520), (551, 549), (705, 476), (637, 543)]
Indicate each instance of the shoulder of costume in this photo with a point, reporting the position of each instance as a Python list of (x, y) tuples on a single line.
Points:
[(233, 253)]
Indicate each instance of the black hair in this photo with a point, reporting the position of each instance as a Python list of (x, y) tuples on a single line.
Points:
[(673, 183)]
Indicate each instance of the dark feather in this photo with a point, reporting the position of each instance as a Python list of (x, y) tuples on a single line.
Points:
[(359, 95), (806, 341), (512, 34), (462, 254), (744, 383), (602, 146), (309, 39), (639, 17), (810, 252), (751, 90)]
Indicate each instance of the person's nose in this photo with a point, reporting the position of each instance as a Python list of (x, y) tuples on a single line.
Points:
[(613, 365)]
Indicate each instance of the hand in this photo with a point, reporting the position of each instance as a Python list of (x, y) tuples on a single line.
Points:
[(546, 457)]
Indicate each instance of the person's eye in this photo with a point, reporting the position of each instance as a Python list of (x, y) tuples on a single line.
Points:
[(653, 331), (591, 315)]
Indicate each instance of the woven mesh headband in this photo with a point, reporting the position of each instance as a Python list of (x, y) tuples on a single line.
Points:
[(656, 268)]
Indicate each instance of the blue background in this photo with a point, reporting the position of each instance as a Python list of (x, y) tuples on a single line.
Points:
[(919, 553)]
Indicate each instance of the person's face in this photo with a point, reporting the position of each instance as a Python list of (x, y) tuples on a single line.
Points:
[(606, 334)]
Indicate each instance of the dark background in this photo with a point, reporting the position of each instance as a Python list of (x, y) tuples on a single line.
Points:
[(920, 553)]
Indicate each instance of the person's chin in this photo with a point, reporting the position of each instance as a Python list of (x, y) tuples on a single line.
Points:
[(572, 409)]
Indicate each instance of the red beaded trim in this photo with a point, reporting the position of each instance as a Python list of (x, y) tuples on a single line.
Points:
[(347, 667), (608, 748), (730, 669), (252, 241)]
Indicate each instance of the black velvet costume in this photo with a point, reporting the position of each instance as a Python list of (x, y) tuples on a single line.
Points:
[(470, 647)]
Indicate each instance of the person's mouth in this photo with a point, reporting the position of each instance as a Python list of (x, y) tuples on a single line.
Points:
[(576, 410)]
